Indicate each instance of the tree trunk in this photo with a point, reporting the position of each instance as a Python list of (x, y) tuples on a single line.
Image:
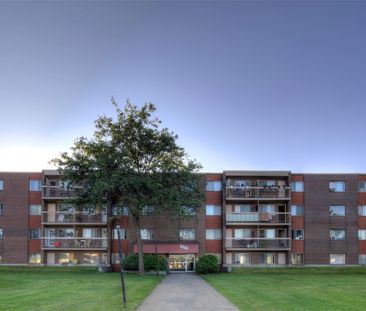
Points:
[(140, 247), (109, 234)]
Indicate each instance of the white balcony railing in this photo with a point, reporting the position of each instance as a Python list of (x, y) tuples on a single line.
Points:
[(258, 243), (74, 217), (74, 243), (265, 217)]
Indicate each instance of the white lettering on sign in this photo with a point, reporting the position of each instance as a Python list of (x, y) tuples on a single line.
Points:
[(185, 247)]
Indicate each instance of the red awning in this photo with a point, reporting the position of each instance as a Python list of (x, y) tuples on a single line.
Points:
[(171, 248)]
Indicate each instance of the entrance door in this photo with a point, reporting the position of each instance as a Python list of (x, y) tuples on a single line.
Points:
[(182, 263)]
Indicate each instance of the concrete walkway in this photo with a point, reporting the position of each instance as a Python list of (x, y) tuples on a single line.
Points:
[(185, 292)]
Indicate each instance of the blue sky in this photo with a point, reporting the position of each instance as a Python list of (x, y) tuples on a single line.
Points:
[(245, 84)]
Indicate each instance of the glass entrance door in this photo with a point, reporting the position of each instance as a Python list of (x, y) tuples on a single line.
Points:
[(181, 262)]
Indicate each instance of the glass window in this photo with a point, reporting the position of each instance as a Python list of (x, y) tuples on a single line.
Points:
[(362, 186), (213, 186), (119, 210), (362, 259), (187, 234), (297, 259), (239, 183), (34, 185), (362, 210), (69, 233), (362, 234), (337, 234), (1, 185), (213, 234), (213, 210), (148, 210), (266, 259), (243, 208), (35, 209), (35, 259), (122, 233), (337, 210), (241, 259), (1, 233), (34, 234), (298, 234), (242, 233), (297, 210), (337, 186), (115, 258), (267, 183), (267, 208), (267, 233), (297, 186), (337, 259), (188, 210), (1, 208), (147, 234)]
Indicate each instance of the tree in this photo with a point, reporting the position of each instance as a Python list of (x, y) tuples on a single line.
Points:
[(132, 161)]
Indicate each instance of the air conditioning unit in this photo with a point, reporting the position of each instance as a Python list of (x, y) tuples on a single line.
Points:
[(332, 189)]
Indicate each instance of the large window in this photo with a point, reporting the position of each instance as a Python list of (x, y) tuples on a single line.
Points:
[(1, 208), (213, 234), (297, 210), (34, 234), (35, 209), (34, 185), (362, 234), (298, 234), (362, 210), (122, 232), (337, 186), (362, 186), (297, 259), (1, 185), (35, 259), (362, 259), (147, 234), (337, 234), (337, 210), (337, 259), (297, 186), (266, 259), (213, 186), (213, 209), (148, 210), (242, 259), (119, 210), (1, 233), (187, 234)]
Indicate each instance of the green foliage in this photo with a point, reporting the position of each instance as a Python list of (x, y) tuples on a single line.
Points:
[(207, 264), (131, 262)]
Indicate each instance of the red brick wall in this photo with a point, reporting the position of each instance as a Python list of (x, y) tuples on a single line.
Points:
[(297, 246), (214, 222), (362, 247), (213, 246), (297, 222)]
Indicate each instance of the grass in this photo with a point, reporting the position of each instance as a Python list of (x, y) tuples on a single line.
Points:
[(69, 288), (281, 289)]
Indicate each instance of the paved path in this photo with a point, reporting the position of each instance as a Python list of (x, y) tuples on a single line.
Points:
[(185, 292)]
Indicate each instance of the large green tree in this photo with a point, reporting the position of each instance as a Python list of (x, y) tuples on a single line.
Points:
[(132, 161)]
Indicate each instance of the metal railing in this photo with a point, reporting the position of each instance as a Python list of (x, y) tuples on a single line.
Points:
[(57, 192), (72, 242), (260, 192), (74, 217), (258, 243), (264, 217)]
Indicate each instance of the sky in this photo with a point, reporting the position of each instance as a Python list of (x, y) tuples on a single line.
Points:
[(246, 85)]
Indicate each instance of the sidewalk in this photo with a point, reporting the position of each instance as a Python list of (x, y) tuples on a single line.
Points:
[(185, 292)]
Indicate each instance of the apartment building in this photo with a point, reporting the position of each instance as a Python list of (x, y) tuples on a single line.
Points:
[(250, 218)]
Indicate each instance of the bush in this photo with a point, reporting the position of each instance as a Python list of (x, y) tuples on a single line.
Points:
[(131, 263), (207, 264)]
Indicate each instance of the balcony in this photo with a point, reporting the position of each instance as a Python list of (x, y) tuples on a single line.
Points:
[(69, 218), (72, 243), (255, 217), (57, 192), (268, 193), (257, 243)]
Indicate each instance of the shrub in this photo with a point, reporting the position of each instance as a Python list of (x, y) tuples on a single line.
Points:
[(207, 264), (131, 263)]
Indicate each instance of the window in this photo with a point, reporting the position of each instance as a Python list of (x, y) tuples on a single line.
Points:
[(115, 258), (267, 208), (34, 234), (337, 234), (148, 210), (34, 185), (147, 234), (35, 259), (362, 210), (239, 183), (34, 209), (362, 259), (267, 233), (267, 183), (244, 208), (69, 232), (1, 233), (266, 259), (1, 208), (297, 259), (1, 185), (337, 210), (361, 186), (213, 234), (297, 210), (362, 234), (298, 234), (337, 259), (213, 186), (297, 186), (188, 210), (241, 259), (213, 210), (337, 186), (122, 233), (187, 234), (120, 210), (242, 233)]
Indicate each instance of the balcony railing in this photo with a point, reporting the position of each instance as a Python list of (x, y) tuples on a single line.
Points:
[(258, 192), (74, 243), (258, 217), (258, 243), (57, 192), (74, 217)]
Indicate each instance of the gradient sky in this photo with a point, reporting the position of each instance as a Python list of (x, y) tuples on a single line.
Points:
[(245, 84)]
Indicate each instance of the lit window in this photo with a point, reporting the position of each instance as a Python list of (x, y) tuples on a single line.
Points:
[(337, 210), (1, 185), (297, 210), (241, 259), (362, 234), (122, 232), (362, 210), (148, 210), (362, 186), (298, 234), (337, 259), (297, 186), (213, 234), (187, 234), (362, 259), (120, 210), (266, 259), (35, 259), (337, 186), (34, 234), (213, 186), (35, 209), (337, 234), (34, 185), (297, 259), (188, 210), (147, 234), (213, 210)]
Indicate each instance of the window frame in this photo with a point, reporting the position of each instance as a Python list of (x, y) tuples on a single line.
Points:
[(1, 233), (32, 236), (2, 209), (36, 189), (39, 206), (363, 256), (214, 209), (38, 258), (1, 184), (337, 206), (297, 207), (214, 183), (294, 262), (362, 210), (295, 236), (335, 182), (363, 187), (214, 237), (297, 182), (185, 230), (335, 235), (361, 234), (151, 234), (334, 256), (123, 233)]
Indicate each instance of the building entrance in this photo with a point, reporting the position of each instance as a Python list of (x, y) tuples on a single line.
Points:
[(182, 263)]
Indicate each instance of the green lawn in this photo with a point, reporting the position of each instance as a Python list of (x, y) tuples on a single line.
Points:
[(283, 289), (69, 288)]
